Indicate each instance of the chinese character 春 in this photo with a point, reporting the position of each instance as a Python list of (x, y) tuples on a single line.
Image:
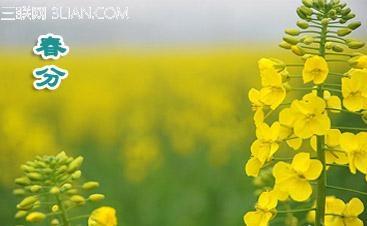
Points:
[(49, 77), (51, 46)]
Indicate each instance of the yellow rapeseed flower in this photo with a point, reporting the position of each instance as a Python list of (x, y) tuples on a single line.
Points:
[(316, 69), (263, 148), (355, 145), (333, 154), (265, 210), (103, 216), (340, 214), (354, 90), (294, 178), (257, 105), (332, 101), (311, 116), (267, 141), (273, 91), (287, 119)]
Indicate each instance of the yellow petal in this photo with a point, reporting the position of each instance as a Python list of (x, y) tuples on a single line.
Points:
[(334, 206), (253, 167), (314, 170), (295, 143), (267, 200), (354, 207), (353, 222), (301, 162), (300, 190)]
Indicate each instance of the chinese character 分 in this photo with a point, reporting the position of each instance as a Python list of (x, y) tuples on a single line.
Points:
[(51, 46), (48, 77)]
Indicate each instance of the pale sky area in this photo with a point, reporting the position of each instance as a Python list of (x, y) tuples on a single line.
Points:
[(168, 21)]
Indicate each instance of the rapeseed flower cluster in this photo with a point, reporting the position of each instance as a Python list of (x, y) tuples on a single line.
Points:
[(325, 93), (50, 191)]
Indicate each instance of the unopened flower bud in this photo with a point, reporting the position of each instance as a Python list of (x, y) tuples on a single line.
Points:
[(344, 31), (302, 24), (290, 39), (355, 44), (19, 192), (354, 25), (307, 3), (77, 174), (96, 197), (27, 168), (66, 186), (20, 214), (27, 201), (54, 190), (325, 21), (34, 176), (337, 48), (349, 16), (308, 40), (77, 199), (292, 31), (329, 45), (90, 185), (72, 191), (298, 50), (307, 11), (22, 181), (301, 14), (35, 217), (35, 188), (55, 222), (55, 208), (75, 164), (285, 45), (346, 11), (61, 156), (61, 169), (306, 56)]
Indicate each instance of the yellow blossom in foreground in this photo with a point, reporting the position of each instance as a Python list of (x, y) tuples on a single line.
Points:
[(273, 91), (287, 119), (333, 102), (294, 178), (263, 148), (316, 69), (340, 214), (103, 216), (311, 116), (265, 209), (333, 154), (354, 90), (355, 145), (270, 63), (257, 105)]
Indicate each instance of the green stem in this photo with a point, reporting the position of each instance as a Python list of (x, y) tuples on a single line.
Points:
[(343, 110), (321, 182), (346, 189), (78, 217), (296, 211), (349, 128), (64, 215)]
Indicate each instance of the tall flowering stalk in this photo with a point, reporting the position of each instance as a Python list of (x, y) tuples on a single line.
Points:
[(50, 193), (308, 125)]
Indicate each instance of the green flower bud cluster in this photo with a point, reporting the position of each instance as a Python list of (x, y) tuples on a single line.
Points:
[(49, 189), (330, 17)]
